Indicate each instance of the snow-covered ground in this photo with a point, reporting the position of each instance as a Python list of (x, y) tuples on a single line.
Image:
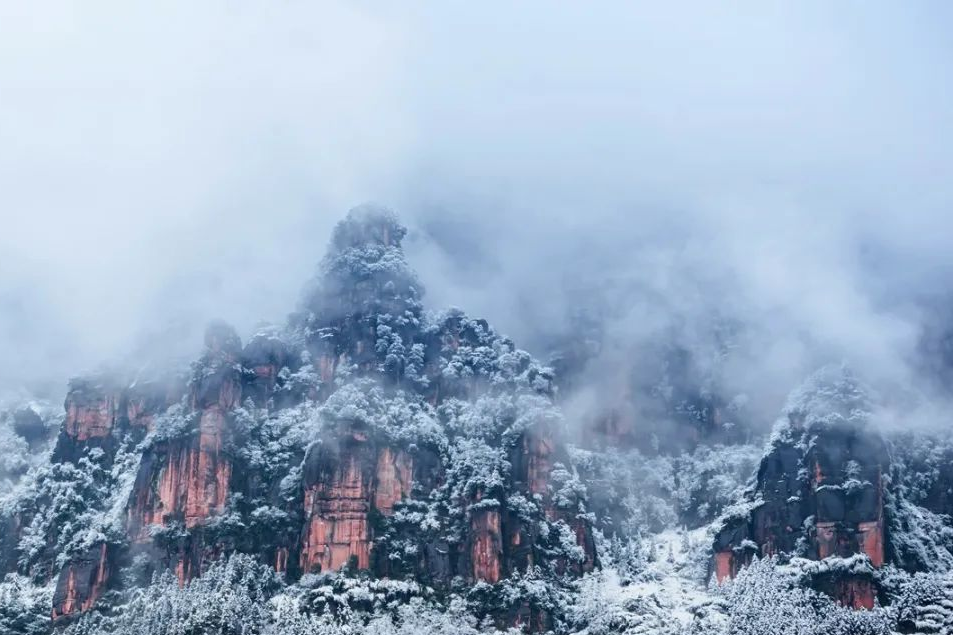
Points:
[(665, 597), (674, 581)]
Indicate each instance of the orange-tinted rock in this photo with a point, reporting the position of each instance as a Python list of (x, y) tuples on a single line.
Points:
[(539, 449), (872, 541), (856, 593), (394, 477), (281, 560), (187, 478), (585, 539), (207, 472), (347, 477), (533, 461), (530, 619), (353, 481), (486, 551), (191, 484), (89, 413), (729, 562), (337, 503), (81, 583), (337, 530), (183, 570), (841, 491), (724, 566), (138, 415), (221, 391)]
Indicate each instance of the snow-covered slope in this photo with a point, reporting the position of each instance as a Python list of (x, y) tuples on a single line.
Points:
[(371, 466)]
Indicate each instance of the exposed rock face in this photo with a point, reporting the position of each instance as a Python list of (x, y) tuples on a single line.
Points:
[(101, 415), (91, 406), (339, 494), (368, 435), (354, 478), (182, 481), (90, 411), (186, 479), (82, 582), (144, 399), (264, 357), (350, 481), (217, 473), (819, 494), (486, 553), (533, 459), (847, 486), (394, 478), (100, 410)]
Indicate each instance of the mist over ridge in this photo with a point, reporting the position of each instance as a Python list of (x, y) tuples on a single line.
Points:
[(613, 318), (666, 167)]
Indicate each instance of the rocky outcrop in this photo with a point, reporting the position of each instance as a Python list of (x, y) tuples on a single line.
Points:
[(91, 406), (534, 458), (82, 582), (101, 409), (90, 411), (393, 478), (217, 475), (847, 489), (263, 359), (339, 495), (486, 551), (819, 495), (349, 481), (186, 478), (182, 480), (144, 399)]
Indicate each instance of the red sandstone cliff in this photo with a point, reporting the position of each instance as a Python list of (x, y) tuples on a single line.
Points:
[(820, 494), (82, 582), (186, 479), (353, 478)]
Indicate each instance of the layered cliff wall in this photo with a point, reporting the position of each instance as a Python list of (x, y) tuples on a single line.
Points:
[(368, 438), (103, 418), (186, 478), (82, 582), (339, 443), (819, 494)]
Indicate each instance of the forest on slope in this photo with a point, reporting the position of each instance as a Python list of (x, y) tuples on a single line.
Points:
[(373, 466)]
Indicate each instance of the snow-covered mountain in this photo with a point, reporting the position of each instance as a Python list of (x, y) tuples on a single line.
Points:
[(371, 466)]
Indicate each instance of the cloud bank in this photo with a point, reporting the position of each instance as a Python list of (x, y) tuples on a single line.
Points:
[(785, 166)]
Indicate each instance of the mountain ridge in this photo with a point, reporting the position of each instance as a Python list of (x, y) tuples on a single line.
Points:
[(369, 456)]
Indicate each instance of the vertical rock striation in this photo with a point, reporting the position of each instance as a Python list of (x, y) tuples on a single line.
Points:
[(339, 494), (185, 479), (819, 493), (333, 444), (82, 582)]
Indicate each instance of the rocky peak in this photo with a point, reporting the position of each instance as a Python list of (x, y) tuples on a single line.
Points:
[(365, 225), (365, 271), (819, 493), (320, 446)]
